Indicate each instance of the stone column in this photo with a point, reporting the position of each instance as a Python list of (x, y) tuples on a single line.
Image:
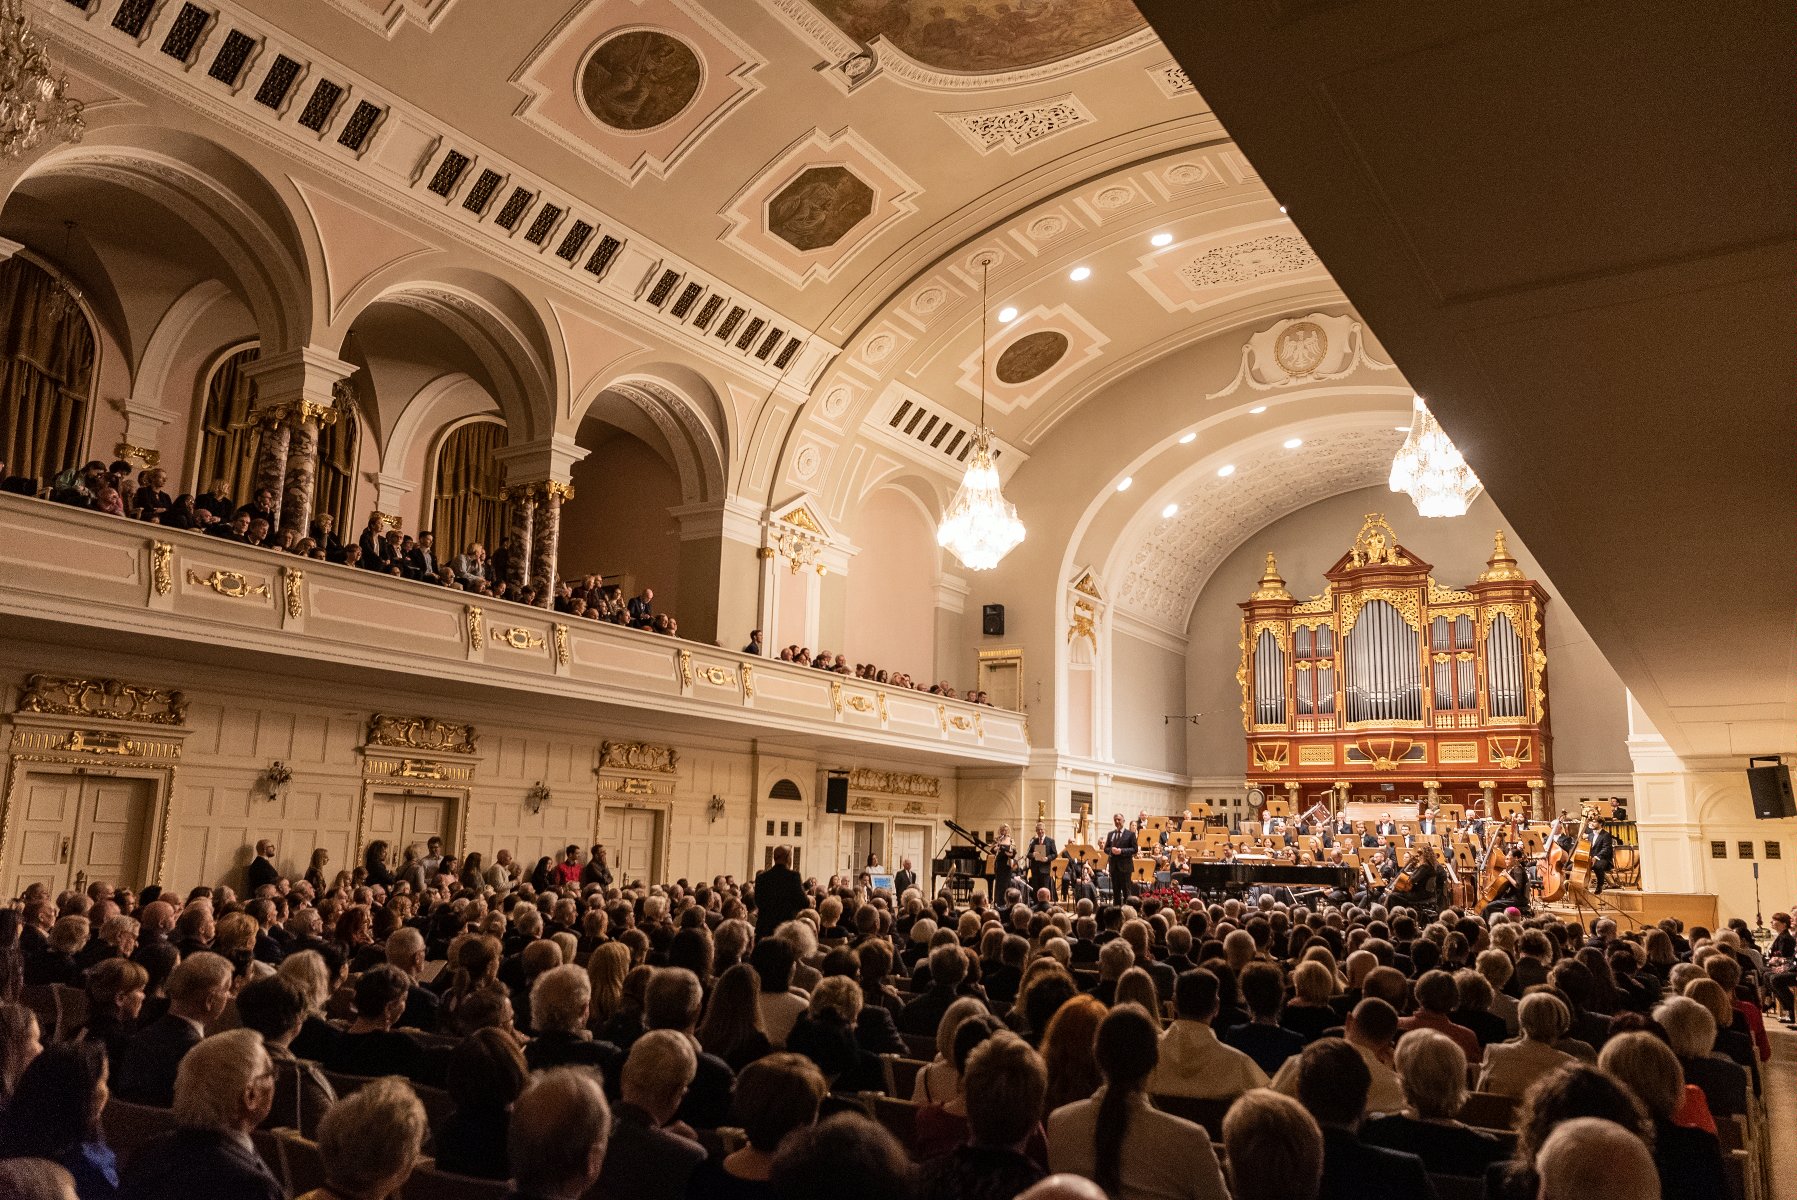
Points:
[(271, 455), (546, 542), (295, 391), (301, 483), (518, 548)]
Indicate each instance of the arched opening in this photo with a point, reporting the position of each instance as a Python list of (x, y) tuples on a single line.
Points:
[(466, 488), (228, 439), (619, 524), (891, 619), (47, 361), (785, 789)]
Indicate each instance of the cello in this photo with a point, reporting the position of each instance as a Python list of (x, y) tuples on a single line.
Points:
[(1492, 879), (1553, 865)]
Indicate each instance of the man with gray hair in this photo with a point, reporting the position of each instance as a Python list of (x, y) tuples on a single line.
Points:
[(198, 990), (405, 953), (370, 1140), (948, 968), (648, 1159), (224, 1089), (673, 1001), (558, 1135), (1588, 1158)]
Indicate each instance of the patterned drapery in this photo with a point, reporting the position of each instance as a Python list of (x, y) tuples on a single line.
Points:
[(46, 375), (467, 507)]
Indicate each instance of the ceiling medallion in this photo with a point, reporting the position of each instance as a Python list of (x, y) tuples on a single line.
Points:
[(980, 526), (1030, 355), (640, 79), (1431, 471)]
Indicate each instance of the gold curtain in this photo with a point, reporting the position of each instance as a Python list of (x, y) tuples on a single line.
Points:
[(228, 443), (46, 375), (337, 466), (467, 506)]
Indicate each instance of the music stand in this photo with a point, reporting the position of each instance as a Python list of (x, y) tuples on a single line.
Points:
[(1453, 812), (1279, 808), (1511, 808)]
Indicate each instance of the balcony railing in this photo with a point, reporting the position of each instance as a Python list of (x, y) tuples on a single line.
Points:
[(89, 569)]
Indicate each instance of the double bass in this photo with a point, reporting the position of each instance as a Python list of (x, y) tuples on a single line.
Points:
[(1492, 877), (1553, 865)]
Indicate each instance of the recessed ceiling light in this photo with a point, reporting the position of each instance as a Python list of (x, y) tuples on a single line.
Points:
[(1123, 484), (1188, 439), (1282, 209), (1080, 273), (1258, 409), (1225, 471), (1161, 239), (1007, 314), (1170, 510), (1293, 443), (1402, 428)]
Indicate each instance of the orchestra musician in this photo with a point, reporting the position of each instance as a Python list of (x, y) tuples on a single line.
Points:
[(1515, 893), (1386, 825), (1038, 855), (1603, 854), (1004, 856), (1426, 826), (1077, 883), (1120, 857)]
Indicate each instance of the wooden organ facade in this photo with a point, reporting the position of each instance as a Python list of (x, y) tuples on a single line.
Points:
[(1389, 689)]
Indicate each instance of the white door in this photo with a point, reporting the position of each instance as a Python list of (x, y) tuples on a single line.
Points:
[(858, 841), (81, 827), (403, 820), (912, 842), (631, 837), (46, 831)]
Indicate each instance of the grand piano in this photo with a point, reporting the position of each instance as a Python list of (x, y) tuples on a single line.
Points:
[(960, 863), (1235, 878)]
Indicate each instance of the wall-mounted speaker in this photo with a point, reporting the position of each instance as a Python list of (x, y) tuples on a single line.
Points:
[(992, 620), (1769, 779), (836, 794)]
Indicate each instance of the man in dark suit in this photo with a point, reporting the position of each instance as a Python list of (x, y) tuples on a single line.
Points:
[(372, 1046), (905, 879), (405, 954), (1386, 825), (198, 990), (641, 609), (1120, 856), (1333, 1082), (262, 506), (422, 561), (779, 894), (1037, 855), (261, 870), (644, 1160), (226, 1089), (1603, 855), (673, 1001), (948, 969)]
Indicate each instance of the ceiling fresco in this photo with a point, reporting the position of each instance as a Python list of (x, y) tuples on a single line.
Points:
[(639, 79), (988, 35), (817, 208)]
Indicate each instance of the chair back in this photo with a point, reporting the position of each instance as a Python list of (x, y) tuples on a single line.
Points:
[(1457, 1187), (428, 1183), (302, 1163), (1488, 1110), (900, 1119), (71, 1011), (901, 1074), (345, 1085), (268, 1149), (439, 1105), (40, 998), (920, 1045), (128, 1127)]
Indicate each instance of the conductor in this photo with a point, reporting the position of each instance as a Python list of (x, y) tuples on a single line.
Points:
[(1120, 857)]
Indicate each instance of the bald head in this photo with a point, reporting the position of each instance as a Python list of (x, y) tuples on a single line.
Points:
[(1588, 1158), (158, 916), (1063, 1187)]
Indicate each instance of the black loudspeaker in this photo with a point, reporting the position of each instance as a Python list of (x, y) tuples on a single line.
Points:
[(1770, 782), (836, 794), (992, 620)]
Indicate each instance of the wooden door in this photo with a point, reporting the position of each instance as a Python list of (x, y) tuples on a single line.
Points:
[(45, 835), (112, 830), (632, 838), (912, 842), (424, 818)]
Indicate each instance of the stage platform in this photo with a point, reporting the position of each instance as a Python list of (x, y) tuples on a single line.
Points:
[(1629, 908)]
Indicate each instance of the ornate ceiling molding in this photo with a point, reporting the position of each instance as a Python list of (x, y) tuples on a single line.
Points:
[(386, 16), (1018, 127)]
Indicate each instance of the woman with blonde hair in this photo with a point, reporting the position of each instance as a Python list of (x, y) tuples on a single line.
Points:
[(321, 858), (1136, 986), (1690, 1160), (1067, 1049), (940, 1081), (317, 975), (606, 968)]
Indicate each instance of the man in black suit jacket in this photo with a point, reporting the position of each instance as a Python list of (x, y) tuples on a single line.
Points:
[(198, 990), (261, 870), (422, 561), (1120, 857), (1037, 855), (948, 968), (644, 1160), (673, 1001), (1333, 1082), (905, 879), (226, 1089), (1603, 855), (779, 894)]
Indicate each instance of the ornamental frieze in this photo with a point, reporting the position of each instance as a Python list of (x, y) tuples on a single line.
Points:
[(114, 698), (420, 733)]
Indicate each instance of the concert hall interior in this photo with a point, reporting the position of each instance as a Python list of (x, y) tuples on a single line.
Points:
[(1299, 434)]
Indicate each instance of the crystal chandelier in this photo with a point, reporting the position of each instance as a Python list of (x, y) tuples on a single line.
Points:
[(1431, 471), (980, 526), (64, 297), (33, 102)]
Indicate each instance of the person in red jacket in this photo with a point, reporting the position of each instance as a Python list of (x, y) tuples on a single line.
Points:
[(568, 870)]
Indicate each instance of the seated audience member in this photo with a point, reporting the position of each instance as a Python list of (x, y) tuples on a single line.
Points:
[(1192, 1061), (1121, 1142), (773, 959), (825, 1033), (56, 964), (484, 1075), (54, 1114), (198, 990), (35, 1178), (1511, 1068), (1309, 1012), (1263, 1039), (369, 1142), (1433, 1072), (20, 1041), (647, 1161), (224, 1089), (1003, 1084), (558, 1134), (115, 997), (775, 1095), (371, 1046), (1569, 1091), (940, 1081), (938, 1128), (1589, 1158), (1274, 1148), (1437, 996), (1332, 1085), (948, 969), (560, 1004), (276, 1008), (840, 1156), (672, 1002), (732, 1027), (1692, 1032), (405, 953), (1689, 1160)]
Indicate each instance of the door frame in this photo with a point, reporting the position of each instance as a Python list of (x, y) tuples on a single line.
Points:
[(96, 746), (418, 774), (659, 851)]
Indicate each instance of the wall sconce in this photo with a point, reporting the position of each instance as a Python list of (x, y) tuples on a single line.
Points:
[(276, 778), (537, 796), (715, 809)]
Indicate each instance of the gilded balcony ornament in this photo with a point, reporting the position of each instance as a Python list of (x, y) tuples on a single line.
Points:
[(686, 669), (162, 567), (230, 584), (57, 696), (517, 637), (748, 682), (561, 645), (293, 587), (1272, 587), (420, 733), (717, 676), (1501, 566), (472, 614), (639, 756)]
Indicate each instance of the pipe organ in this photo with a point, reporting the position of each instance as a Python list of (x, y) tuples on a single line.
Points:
[(1388, 688)]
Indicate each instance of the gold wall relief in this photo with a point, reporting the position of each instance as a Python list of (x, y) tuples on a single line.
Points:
[(884, 717), (64, 697), (1272, 756), (1457, 752), (717, 676), (162, 570), (561, 645), (420, 733), (1405, 600), (143, 454), (293, 588), (1510, 752), (472, 615), (748, 682), (517, 637), (960, 721), (1316, 756), (836, 696), (230, 584), (862, 779), (639, 756), (686, 668), (861, 704), (1443, 595)]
